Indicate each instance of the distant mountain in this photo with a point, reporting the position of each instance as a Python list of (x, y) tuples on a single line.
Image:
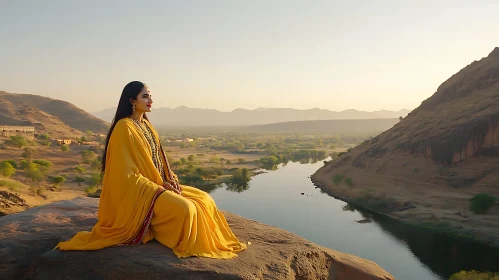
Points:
[(325, 126), (184, 116), (55, 117)]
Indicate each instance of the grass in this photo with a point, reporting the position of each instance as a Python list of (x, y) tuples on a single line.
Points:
[(474, 275), (12, 184)]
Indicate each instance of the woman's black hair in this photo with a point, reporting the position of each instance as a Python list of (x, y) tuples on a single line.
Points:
[(130, 91)]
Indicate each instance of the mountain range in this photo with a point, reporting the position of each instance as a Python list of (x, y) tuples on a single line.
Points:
[(185, 116)]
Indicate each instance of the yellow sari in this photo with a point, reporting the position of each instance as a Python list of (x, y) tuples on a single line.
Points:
[(134, 208)]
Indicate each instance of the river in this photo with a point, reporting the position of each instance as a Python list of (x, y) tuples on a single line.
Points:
[(276, 198)]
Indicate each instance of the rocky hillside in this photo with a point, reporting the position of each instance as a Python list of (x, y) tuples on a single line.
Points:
[(27, 239), (56, 117), (436, 158)]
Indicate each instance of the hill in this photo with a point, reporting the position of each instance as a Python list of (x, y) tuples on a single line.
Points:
[(326, 126), (243, 117), (56, 117), (435, 160)]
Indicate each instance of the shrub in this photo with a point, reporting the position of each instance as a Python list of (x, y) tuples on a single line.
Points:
[(349, 182), (17, 141), (6, 169), (57, 180), (337, 179), (13, 163), (23, 164), (29, 153), (79, 180), (79, 169), (481, 203), (42, 162), (64, 148)]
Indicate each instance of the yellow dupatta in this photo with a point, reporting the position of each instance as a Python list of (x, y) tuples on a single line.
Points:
[(131, 183)]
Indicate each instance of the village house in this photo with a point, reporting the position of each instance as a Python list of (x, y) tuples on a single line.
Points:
[(64, 141), (27, 132)]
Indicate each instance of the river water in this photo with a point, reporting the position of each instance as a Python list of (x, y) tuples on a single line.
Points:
[(275, 198)]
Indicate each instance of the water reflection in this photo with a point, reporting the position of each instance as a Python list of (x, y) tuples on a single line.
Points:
[(237, 187), (443, 254)]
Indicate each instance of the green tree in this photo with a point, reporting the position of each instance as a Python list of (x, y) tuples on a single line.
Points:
[(57, 180), (17, 141), (89, 133), (44, 140), (215, 160), (45, 163), (29, 153), (190, 158), (13, 163), (35, 172), (183, 161), (65, 148), (23, 164), (87, 156), (94, 180), (43, 137), (79, 169), (95, 164), (79, 180), (6, 169)]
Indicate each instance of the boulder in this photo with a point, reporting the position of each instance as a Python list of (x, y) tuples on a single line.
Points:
[(27, 240)]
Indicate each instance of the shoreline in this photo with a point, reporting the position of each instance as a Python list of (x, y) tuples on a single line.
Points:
[(392, 218)]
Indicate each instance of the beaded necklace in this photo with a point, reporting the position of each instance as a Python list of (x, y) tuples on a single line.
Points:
[(146, 130)]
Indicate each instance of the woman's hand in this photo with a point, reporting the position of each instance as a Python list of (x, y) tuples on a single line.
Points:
[(171, 187)]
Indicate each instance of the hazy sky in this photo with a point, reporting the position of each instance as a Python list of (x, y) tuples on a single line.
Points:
[(367, 55)]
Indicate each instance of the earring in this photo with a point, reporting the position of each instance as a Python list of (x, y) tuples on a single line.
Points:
[(133, 107)]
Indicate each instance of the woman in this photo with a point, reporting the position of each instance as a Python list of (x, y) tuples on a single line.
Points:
[(141, 197)]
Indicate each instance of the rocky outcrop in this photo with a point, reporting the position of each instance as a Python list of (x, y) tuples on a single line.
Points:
[(26, 240)]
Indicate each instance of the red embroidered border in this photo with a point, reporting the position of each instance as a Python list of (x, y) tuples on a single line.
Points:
[(145, 225)]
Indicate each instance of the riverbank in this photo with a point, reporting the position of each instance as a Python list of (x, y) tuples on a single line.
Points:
[(404, 208)]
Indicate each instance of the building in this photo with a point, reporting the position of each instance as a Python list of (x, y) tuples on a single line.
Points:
[(27, 132), (64, 141)]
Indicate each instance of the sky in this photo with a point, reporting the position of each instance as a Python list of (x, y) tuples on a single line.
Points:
[(227, 54)]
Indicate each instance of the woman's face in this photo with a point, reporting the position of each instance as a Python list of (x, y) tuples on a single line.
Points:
[(143, 102)]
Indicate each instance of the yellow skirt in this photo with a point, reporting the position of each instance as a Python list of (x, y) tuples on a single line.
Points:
[(191, 225)]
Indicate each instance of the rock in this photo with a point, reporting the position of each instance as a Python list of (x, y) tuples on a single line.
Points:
[(26, 240), (364, 221)]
